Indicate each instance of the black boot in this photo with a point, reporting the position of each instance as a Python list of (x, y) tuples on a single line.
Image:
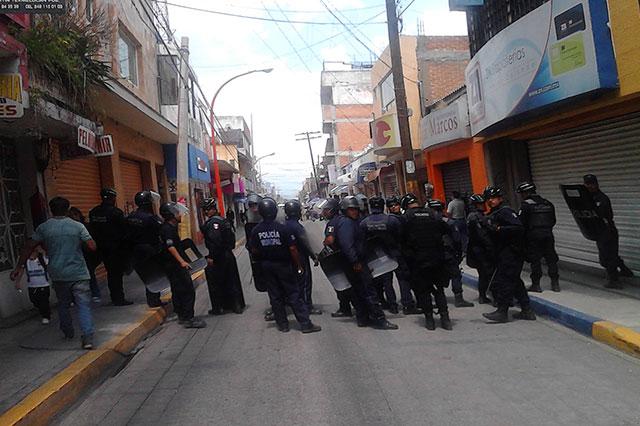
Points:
[(555, 285), (393, 308), (460, 302), (625, 271), (429, 322), (499, 315), (445, 321), (483, 299), (412, 310), (525, 314), (384, 325), (341, 314), (535, 287)]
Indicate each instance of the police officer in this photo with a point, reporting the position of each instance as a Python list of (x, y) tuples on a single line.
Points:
[(538, 216), (350, 239), (480, 247), (453, 251), (144, 236), (402, 273), (275, 248), (108, 226), (176, 266), (607, 241), (382, 231), (507, 233), (223, 279), (293, 212), (423, 249)]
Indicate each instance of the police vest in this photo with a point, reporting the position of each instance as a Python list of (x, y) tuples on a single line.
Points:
[(215, 237), (541, 214)]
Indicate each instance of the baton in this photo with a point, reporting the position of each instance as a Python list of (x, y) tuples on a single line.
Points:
[(492, 277)]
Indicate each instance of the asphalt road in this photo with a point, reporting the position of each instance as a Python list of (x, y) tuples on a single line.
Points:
[(242, 371)]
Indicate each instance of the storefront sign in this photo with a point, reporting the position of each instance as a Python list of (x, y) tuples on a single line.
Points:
[(104, 147), (87, 139), (364, 170), (11, 96), (446, 124), (560, 50), (198, 165), (385, 134), (32, 6), (202, 164)]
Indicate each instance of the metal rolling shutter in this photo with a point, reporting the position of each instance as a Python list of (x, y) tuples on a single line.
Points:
[(78, 180), (456, 176), (131, 175), (611, 150)]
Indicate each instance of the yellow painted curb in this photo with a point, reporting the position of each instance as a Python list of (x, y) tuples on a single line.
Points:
[(623, 338)]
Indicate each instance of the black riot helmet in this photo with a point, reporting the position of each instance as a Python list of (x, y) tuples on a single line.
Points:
[(407, 200), (293, 209), (108, 193), (173, 210), (493, 192), (349, 202), (268, 208), (253, 199), (476, 199), (525, 187), (376, 204), (393, 201), (209, 204), (143, 199), (435, 205), (331, 205)]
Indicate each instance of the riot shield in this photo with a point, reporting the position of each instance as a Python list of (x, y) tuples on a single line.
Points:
[(331, 265), (583, 209), (379, 261)]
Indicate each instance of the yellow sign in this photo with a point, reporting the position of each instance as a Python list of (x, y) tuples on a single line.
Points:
[(385, 134), (11, 87)]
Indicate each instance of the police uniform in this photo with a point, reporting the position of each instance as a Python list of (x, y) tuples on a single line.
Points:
[(223, 279), (508, 239), (345, 297), (108, 226), (295, 228), (423, 249), (270, 244), (144, 237), (403, 274), (480, 251), (382, 230), (538, 218), (182, 291)]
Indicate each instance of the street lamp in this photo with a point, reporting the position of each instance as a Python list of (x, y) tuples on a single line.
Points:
[(216, 168), (264, 156)]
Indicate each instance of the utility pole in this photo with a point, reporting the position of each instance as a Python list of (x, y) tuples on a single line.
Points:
[(182, 151), (402, 110), (308, 137)]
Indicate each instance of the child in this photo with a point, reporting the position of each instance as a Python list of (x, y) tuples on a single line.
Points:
[(38, 283)]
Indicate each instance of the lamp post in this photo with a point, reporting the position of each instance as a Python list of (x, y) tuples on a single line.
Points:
[(216, 168), (255, 171)]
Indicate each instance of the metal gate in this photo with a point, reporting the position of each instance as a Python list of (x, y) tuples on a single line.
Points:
[(456, 176), (78, 180), (131, 175), (609, 149)]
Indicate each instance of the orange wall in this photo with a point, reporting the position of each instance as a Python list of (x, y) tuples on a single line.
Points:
[(457, 151)]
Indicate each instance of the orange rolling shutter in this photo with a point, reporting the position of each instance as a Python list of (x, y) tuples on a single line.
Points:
[(131, 175), (78, 180)]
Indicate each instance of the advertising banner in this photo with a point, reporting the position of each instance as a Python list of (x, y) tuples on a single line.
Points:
[(385, 134), (446, 124), (11, 105), (364, 170), (560, 50)]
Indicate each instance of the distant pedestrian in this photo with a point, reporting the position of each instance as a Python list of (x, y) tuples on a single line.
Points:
[(63, 237), (91, 258), (38, 283), (607, 242), (457, 215), (231, 217)]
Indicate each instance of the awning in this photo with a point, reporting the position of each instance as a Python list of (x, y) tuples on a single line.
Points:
[(372, 175), (339, 189)]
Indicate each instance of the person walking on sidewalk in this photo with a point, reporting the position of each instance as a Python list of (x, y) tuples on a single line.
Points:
[(108, 225), (538, 216), (508, 238), (63, 238), (607, 242), (38, 283), (177, 268), (90, 257), (223, 279), (480, 247)]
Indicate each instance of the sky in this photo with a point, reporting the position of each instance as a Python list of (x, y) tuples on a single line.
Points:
[(287, 100)]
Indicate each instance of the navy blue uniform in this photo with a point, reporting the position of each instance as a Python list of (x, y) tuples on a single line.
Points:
[(538, 217), (108, 226), (480, 250), (344, 297), (143, 233), (403, 274), (223, 278), (508, 238), (350, 240), (182, 292), (295, 228), (607, 241), (270, 244)]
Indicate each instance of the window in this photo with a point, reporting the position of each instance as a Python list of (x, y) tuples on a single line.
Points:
[(88, 9), (127, 58), (168, 80), (387, 91)]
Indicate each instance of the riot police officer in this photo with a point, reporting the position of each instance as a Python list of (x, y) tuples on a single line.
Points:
[(177, 267), (144, 236), (453, 251), (403, 274), (108, 227), (350, 239), (507, 233), (480, 247), (607, 241), (423, 249), (275, 248), (381, 231), (538, 216), (331, 213), (293, 212), (223, 279)]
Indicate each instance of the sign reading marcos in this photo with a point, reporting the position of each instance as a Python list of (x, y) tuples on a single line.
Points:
[(560, 50), (447, 124)]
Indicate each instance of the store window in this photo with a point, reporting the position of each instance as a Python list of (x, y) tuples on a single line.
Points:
[(127, 58), (12, 223)]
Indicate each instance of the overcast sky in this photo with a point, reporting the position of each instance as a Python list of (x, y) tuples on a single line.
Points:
[(287, 101)]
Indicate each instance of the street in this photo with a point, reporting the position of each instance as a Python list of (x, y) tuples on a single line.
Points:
[(241, 370)]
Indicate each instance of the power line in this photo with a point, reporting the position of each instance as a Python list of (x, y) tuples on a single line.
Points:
[(258, 18), (359, 9)]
